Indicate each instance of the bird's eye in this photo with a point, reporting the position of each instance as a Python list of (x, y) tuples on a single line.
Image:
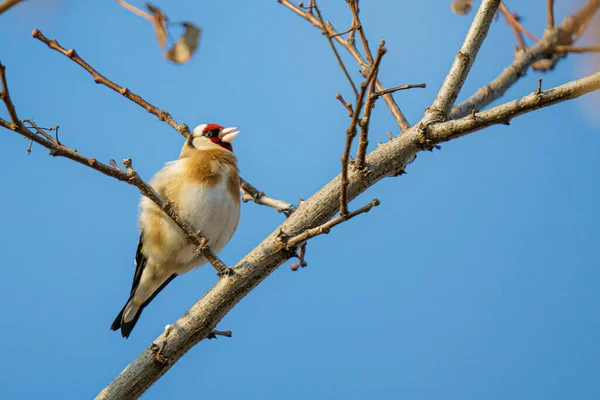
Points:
[(211, 134)]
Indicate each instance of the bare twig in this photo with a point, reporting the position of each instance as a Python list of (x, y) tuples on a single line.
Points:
[(301, 258), (550, 6), (214, 333), (577, 49), (330, 40), (398, 88), (347, 105), (351, 132), (135, 10), (364, 65), (358, 26), (370, 103), (326, 227), (514, 22), (250, 193), (130, 176), (5, 97), (6, 4), (464, 59), (162, 115), (518, 34)]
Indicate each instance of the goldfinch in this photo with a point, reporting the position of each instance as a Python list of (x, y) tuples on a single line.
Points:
[(203, 183)]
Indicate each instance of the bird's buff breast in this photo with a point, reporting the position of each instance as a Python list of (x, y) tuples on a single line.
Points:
[(212, 210)]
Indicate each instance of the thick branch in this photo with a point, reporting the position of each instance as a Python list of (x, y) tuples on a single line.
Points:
[(486, 94), (389, 159), (464, 59), (502, 114)]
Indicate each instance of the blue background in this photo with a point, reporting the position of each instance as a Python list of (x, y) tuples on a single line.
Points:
[(477, 277)]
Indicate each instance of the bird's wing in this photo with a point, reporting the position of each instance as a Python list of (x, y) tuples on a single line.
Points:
[(140, 263)]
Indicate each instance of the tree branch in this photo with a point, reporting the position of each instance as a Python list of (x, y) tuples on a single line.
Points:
[(6, 4), (502, 114), (388, 159), (569, 27), (330, 40), (326, 227), (464, 59), (130, 176), (351, 131), (365, 121), (550, 7), (364, 65), (162, 115), (255, 195)]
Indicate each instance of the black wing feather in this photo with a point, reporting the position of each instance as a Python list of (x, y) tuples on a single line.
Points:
[(140, 263)]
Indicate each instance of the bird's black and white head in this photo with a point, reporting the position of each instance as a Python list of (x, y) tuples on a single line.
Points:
[(206, 136)]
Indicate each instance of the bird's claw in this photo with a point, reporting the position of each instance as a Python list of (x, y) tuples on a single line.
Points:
[(228, 271)]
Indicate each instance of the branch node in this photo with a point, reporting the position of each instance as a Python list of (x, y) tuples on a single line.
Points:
[(538, 91), (214, 333), (158, 354)]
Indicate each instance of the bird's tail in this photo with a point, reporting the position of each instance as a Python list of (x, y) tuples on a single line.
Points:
[(131, 312)]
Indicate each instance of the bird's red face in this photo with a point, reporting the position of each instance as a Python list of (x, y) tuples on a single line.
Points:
[(215, 133)]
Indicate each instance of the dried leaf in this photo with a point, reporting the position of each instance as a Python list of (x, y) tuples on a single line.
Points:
[(182, 51), (159, 21), (461, 7)]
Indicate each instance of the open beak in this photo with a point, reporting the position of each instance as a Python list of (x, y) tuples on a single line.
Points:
[(228, 134)]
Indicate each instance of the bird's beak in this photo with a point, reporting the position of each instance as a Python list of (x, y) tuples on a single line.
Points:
[(228, 134)]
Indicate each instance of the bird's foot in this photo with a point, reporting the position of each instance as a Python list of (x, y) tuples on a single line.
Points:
[(227, 271)]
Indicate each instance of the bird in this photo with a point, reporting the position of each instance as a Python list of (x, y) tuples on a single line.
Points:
[(203, 184)]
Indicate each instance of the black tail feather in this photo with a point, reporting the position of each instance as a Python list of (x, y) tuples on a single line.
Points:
[(127, 327)]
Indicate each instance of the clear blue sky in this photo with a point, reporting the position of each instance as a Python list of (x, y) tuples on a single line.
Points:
[(477, 277)]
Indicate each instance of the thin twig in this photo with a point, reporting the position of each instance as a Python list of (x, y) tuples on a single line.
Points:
[(326, 227), (364, 65), (577, 49), (358, 26), (369, 104), (214, 333), (250, 193), (301, 259), (550, 6), (136, 10), (347, 105), (518, 34), (351, 133), (515, 22), (5, 97), (398, 88), (337, 55), (162, 115)]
